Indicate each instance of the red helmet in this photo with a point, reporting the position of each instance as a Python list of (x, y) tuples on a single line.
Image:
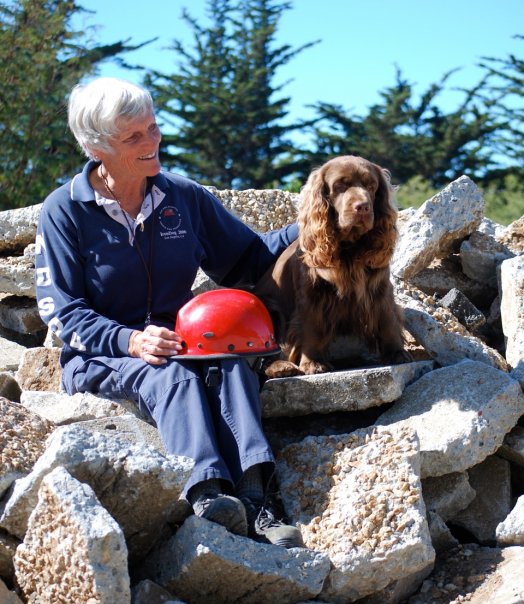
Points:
[(225, 323)]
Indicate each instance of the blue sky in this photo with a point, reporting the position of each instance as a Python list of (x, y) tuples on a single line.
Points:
[(361, 42)]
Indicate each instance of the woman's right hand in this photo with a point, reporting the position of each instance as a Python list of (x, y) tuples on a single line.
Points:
[(154, 344)]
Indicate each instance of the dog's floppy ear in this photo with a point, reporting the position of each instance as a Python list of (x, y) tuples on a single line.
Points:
[(314, 221), (383, 235)]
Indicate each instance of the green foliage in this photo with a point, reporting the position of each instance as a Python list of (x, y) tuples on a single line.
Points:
[(41, 59), (227, 123), (410, 137), (506, 92)]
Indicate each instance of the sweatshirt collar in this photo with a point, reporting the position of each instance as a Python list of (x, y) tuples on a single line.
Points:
[(81, 189)]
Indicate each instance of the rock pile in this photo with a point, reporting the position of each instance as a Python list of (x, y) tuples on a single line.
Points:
[(407, 481)]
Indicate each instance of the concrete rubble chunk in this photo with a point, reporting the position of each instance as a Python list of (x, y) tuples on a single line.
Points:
[(148, 592), (444, 338), (74, 551), (350, 390), (480, 256), (512, 236), (469, 402), (438, 224), (137, 485), (512, 448), (465, 311), (511, 530), (18, 228), (11, 354), (441, 537), (205, 563), (447, 495), (491, 482), (17, 276), (40, 370), (22, 441), (512, 313), (20, 314), (61, 408), (8, 545), (9, 387), (357, 497)]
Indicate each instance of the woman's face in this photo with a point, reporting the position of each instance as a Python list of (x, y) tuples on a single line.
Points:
[(135, 149)]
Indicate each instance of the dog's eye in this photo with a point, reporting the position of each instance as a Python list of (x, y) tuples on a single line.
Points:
[(371, 187), (340, 187)]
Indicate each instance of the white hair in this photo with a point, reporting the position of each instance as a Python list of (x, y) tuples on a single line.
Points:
[(97, 109)]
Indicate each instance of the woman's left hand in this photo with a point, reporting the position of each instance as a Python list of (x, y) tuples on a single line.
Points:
[(154, 344)]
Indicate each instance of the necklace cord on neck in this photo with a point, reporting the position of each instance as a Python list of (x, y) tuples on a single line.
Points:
[(136, 245)]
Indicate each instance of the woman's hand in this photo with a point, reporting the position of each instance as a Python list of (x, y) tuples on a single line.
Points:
[(154, 344)]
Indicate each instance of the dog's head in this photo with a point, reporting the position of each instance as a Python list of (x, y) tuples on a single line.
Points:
[(345, 200)]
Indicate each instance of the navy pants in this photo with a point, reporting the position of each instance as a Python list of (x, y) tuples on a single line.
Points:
[(218, 424)]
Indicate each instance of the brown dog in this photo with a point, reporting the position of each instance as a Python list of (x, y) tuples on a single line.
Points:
[(335, 280)]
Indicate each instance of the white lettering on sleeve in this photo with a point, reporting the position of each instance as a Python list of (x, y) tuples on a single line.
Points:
[(39, 244), (56, 326), (43, 276), (46, 306), (76, 342)]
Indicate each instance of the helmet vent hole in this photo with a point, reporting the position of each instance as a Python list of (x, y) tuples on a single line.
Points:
[(200, 345), (208, 334), (231, 347), (250, 344)]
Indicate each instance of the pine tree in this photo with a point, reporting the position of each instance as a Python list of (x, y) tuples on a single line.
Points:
[(413, 138), (41, 59), (225, 123)]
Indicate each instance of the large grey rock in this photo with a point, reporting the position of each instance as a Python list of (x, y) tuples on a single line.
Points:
[(61, 408), (136, 484), (511, 530), (513, 446), (443, 337), (18, 228), (469, 402), (22, 441), (440, 222), (480, 255), (17, 275), (351, 390), (447, 495), (357, 497), (11, 354), (491, 482), (203, 562), (73, 551), (512, 312)]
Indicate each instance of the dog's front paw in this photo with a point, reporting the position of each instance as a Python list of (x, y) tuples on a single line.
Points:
[(312, 367), (280, 369)]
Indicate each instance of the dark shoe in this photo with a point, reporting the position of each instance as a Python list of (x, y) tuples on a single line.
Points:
[(224, 510), (265, 527)]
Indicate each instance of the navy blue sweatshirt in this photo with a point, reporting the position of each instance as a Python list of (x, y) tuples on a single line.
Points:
[(92, 279)]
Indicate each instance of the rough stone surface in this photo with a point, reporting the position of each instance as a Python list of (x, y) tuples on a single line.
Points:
[(18, 228), (40, 370), (511, 530), (491, 482), (136, 484), (469, 402), (204, 563), (513, 446), (8, 545), (74, 551), (440, 333), (11, 355), (82, 406), (480, 255), (9, 387), (22, 441), (8, 597), (358, 498), (438, 224), (512, 309), (339, 391), (20, 314), (447, 495)]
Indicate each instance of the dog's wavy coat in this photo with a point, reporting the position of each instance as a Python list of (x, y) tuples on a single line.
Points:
[(335, 280)]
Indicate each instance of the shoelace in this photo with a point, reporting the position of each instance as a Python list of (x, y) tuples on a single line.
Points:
[(266, 519)]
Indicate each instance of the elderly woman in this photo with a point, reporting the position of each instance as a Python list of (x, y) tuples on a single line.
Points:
[(118, 248)]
